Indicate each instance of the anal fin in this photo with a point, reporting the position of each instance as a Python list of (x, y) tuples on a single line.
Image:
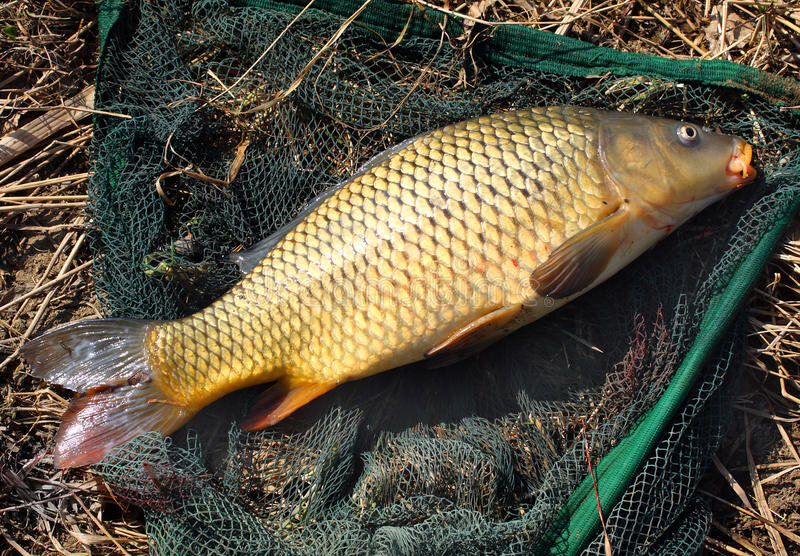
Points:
[(575, 264), (281, 400), (476, 331)]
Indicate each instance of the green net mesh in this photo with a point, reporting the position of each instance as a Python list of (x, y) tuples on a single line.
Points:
[(472, 458)]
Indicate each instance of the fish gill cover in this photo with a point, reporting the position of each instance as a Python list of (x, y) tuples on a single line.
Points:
[(486, 456)]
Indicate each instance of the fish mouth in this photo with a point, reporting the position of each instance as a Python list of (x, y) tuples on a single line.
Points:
[(739, 171)]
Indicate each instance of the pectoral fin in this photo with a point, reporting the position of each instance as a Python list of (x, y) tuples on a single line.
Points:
[(578, 262), (476, 331), (281, 400)]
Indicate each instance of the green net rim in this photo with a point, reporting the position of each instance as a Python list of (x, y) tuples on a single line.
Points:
[(578, 522)]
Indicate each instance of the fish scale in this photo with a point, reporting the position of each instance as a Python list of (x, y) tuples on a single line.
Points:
[(430, 238)]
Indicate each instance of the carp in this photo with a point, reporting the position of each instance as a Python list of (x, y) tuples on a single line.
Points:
[(435, 248)]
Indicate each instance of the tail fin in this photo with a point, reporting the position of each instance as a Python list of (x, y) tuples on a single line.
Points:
[(105, 359)]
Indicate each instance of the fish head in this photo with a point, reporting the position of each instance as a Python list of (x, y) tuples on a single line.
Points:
[(673, 169)]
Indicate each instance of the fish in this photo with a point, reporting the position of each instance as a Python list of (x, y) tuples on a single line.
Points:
[(435, 248)]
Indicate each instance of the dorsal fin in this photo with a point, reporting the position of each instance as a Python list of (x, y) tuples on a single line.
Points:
[(249, 258)]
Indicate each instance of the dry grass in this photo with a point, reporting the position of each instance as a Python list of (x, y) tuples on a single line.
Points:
[(762, 34), (47, 55)]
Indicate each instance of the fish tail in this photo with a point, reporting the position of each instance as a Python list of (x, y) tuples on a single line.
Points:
[(107, 361)]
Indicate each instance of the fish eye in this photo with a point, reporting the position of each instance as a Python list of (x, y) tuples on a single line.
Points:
[(688, 135)]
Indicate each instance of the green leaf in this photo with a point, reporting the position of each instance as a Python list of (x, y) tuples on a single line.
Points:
[(10, 31)]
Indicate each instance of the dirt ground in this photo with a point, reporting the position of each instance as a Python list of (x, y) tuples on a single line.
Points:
[(48, 54)]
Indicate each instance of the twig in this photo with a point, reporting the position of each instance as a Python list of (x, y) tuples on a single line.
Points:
[(569, 19), (33, 133), (726, 547), (75, 178), (734, 484), (35, 321), (43, 287), (738, 538), (761, 500), (99, 525), (470, 18), (31, 206), (29, 504), (580, 340), (47, 229), (671, 27), (13, 544), (266, 51), (606, 540), (794, 537), (50, 265), (766, 415), (43, 157), (300, 76), (779, 474), (44, 198), (81, 109), (788, 442)]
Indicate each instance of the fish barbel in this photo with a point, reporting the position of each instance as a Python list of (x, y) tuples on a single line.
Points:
[(436, 247)]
